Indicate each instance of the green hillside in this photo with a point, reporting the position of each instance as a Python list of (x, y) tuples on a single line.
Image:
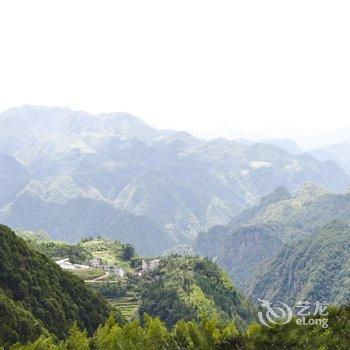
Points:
[(111, 252), (36, 296), (181, 288), (192, 303), (192, 288), (17, 323), (259, 233), (316, 268)]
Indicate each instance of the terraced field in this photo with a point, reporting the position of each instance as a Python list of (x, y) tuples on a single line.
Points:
[(128, 304), (89, 274)]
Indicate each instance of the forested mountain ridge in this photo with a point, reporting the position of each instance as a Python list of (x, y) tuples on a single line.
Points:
[(259, 233), (37, 297), (172, 184), (314, 268)]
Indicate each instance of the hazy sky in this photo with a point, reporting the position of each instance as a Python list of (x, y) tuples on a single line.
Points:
[(209, 67)]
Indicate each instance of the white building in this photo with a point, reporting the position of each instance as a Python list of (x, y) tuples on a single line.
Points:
[(119, 272), (114, 270), (65, 264), (153, 264), (96, 262), (149, 266)]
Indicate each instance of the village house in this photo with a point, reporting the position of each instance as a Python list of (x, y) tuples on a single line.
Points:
[(150, 265), (115, 271), (96, 262)]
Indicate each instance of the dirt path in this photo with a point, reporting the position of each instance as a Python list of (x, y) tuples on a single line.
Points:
[(98, 279)]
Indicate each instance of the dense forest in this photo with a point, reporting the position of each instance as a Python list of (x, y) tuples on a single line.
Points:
[(283, 227), (208, 334), (192, 288), (314, 268), (37, 297)]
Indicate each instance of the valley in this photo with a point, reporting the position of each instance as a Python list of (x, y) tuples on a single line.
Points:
[(126, 235), (113, 175)]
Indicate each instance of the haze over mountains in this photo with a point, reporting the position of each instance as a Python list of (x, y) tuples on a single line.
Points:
[(111, 174), (339, 153)]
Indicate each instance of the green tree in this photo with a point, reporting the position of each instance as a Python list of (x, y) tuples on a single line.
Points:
[(77, 339), (128, 252)]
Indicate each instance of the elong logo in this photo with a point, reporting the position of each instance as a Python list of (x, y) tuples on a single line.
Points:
[(281, 313)]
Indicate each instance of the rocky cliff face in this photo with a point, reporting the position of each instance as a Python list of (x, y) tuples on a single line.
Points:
[(246, 248)]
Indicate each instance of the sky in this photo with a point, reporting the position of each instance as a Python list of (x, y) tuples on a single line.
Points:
[(254, 69)]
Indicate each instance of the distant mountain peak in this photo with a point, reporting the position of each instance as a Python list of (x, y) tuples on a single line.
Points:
[(311, 190), (122, 117), (279, 194), (180, 136), (286, 144)]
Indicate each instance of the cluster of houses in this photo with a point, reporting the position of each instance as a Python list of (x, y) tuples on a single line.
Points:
[(113, 270), (147, 266)]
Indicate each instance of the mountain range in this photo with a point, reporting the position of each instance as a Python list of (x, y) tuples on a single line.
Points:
[(279, 249), (339, 153), (190, 302), (316, 268), (73, 174)]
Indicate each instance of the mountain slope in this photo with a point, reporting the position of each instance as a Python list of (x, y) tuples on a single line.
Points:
[(17, 324), (37, 290), (316, 268), (192, 288), (260, 232), (176, 184), (70, 212), (187, 287), (339, 153), (13, 178), (286, 144), (77, 217)]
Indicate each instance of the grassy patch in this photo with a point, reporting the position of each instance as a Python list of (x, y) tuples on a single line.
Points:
[(89, 274)]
